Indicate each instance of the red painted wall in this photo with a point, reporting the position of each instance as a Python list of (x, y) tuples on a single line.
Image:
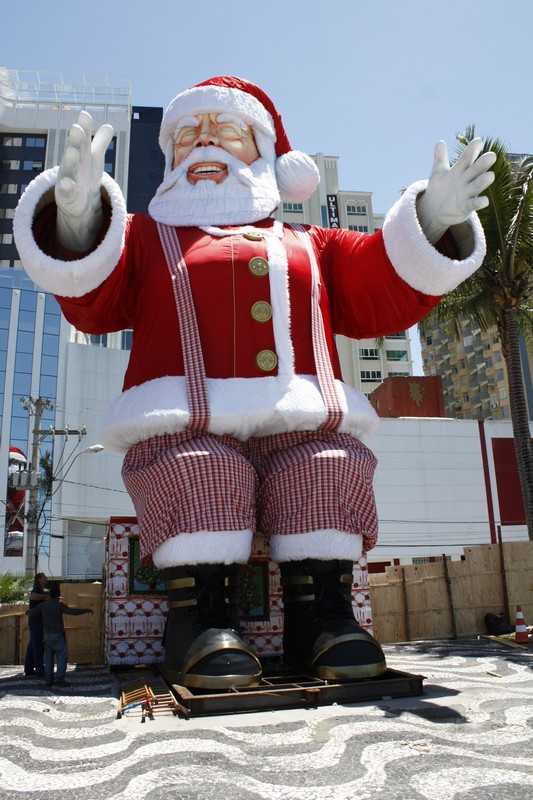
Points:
[(413, 396), (510, 497)]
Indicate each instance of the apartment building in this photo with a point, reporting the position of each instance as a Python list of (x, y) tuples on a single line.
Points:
[(472, 367)]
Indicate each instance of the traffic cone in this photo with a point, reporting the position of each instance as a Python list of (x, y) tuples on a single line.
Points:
[(521, 634)]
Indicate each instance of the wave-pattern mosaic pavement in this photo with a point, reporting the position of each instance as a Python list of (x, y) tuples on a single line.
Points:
[(469, 736)]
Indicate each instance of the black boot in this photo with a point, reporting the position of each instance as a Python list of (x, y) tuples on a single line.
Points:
[(321, 636), (202, 648)]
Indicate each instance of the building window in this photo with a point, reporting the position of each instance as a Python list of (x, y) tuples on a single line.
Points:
[(8, 188), (352, 209), (35, 141), (6, 238), (12, 141), (429, 340), (371, 375), (368, 352), (10, 164), (293, 208), (497, 357), (502, 393), (359, 228), (126, 339), (399, 335), (7, 213), (499, 374), (397, 355), (33, 166), (403, 374), (98, 341)]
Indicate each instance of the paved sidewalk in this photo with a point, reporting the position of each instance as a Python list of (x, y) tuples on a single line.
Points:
[(470, 735)]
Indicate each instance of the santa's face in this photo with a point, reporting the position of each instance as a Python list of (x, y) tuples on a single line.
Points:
[(213, 130), (218, 175)]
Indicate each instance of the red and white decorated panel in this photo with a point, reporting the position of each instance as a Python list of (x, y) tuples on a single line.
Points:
[(135, 616)]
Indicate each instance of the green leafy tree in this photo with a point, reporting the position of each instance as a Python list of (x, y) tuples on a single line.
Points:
[(500, 292), (13, 588)]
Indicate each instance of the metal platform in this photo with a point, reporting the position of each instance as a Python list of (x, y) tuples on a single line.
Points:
[(286, 691)]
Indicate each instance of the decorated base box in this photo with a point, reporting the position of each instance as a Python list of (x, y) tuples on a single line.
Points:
[(136, 608)]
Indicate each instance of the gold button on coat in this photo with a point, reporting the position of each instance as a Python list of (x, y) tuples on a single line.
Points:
[(261, 311), (258, 266), (252, 236), (266, 360)]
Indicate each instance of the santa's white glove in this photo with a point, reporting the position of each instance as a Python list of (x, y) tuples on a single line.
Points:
[(452, 192), (77, 191)]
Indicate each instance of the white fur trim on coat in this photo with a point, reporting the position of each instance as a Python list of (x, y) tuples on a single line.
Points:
[(325, 545), (240, 407), (204, 547), (67, 278), (416, 260)]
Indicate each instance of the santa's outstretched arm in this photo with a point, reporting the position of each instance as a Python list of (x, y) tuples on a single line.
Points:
[(77, 190)]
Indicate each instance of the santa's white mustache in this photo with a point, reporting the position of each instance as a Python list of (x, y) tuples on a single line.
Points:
[(214, 155)]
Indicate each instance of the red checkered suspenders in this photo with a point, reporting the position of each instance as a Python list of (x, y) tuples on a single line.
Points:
[(193, 359), (192, 350), (324, 370)]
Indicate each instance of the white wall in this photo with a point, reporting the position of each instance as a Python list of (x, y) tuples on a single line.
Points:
[(430, 487)]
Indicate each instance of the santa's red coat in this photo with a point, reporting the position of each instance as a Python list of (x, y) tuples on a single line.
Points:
[(371, 286)]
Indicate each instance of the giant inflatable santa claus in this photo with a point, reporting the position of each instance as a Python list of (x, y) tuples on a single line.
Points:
[(234, 417)]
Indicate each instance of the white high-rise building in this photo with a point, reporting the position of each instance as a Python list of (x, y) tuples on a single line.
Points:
[(36, 111)]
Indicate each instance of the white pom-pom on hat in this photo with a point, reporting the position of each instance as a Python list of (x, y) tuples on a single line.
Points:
[(296, 173)]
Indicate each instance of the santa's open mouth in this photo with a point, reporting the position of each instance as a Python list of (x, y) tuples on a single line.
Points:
[(210, 171)]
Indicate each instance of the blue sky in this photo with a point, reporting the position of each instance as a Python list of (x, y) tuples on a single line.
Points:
[(375, 83)]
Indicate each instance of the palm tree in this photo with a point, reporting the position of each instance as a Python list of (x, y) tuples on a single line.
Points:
[(500, 292)]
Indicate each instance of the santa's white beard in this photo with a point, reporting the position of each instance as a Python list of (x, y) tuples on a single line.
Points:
[(248, 193)]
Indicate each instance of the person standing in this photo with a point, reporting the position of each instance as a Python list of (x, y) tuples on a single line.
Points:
[(55, 641), (33, 661)]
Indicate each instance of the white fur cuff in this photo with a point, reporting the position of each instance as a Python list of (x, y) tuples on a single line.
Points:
[(324, 544), (415, 260), (67, 278), (204, 547)]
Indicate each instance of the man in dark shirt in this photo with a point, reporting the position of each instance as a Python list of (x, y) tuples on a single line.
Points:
[(33, 662), (55, 643)]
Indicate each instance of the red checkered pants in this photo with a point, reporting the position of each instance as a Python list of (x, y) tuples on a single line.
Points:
[(283, 484)]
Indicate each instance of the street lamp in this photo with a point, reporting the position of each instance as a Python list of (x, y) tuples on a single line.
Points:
[(94, 448)]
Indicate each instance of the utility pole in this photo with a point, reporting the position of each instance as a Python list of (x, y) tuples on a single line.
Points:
[(35, 407)]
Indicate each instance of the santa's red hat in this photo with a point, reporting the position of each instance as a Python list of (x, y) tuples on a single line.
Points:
[(297, 175), (17, 455)]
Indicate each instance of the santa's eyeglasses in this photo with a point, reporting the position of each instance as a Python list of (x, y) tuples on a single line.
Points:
[(225, 131)]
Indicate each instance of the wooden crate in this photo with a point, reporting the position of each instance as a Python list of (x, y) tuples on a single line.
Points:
[(84, 632), (11, 620)]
